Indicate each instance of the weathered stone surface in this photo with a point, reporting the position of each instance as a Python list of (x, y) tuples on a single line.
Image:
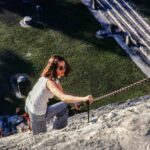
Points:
[(112, 127)]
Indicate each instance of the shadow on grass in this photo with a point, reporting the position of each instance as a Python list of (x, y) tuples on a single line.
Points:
[(69, 17), (17, 7), (10, 64)]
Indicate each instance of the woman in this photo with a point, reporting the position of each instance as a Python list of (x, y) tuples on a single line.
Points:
[(46, 87)]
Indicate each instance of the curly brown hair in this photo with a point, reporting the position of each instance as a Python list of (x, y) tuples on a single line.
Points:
[(50, 69)]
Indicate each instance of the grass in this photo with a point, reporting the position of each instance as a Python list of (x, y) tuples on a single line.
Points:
[(98, 66)]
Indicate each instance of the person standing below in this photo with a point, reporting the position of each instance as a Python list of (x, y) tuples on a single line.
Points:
[(45, 88)]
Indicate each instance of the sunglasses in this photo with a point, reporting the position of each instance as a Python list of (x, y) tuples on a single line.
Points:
[(61, 68)]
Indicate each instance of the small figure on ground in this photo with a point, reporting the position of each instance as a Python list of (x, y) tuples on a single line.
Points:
[(26, 22)]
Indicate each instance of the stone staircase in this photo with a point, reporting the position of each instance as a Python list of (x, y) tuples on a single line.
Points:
[(121, 14)]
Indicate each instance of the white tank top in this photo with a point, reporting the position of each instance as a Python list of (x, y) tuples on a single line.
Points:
[(38, 97)]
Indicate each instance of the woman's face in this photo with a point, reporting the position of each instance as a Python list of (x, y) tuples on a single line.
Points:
[(60, 71)]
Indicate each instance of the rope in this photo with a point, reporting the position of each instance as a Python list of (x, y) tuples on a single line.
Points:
[(116, 92), (113, 93), (122, 89)]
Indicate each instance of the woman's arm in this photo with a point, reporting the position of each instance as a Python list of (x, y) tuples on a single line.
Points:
[(51, 85), (59, 86)]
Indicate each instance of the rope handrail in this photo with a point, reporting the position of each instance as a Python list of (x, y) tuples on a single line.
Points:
[(122, 89), (113, 93), (116, 92)]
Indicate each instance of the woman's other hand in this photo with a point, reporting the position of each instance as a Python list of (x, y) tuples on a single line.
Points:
[(77, 106)]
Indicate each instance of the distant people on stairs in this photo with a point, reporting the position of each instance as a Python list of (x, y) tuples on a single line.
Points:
[(45, 88)]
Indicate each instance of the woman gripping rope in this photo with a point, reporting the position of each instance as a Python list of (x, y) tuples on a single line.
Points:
[(45, 88)]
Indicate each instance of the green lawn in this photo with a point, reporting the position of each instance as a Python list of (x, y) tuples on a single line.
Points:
[(98, 66)]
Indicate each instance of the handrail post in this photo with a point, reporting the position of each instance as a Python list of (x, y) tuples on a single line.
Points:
[(88, 110)]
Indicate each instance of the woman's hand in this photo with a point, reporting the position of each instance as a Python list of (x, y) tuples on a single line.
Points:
[(77, 106), (89, 99)]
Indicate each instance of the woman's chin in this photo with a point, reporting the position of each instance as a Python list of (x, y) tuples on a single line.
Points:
[(60, 76)]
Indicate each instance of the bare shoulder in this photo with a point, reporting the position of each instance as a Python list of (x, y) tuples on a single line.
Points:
[(50, 83)]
